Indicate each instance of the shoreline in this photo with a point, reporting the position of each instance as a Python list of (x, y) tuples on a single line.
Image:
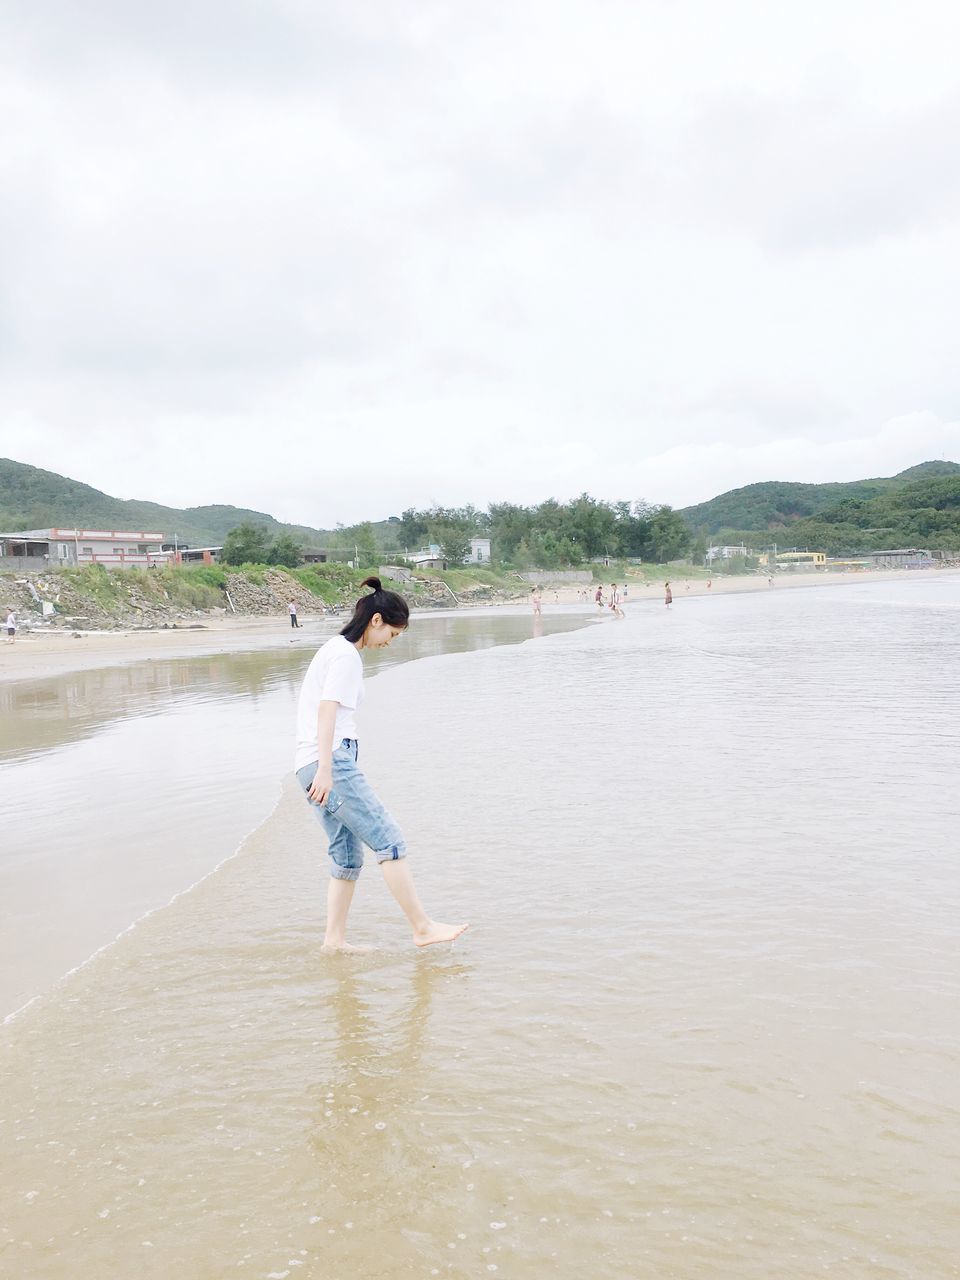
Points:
[(38, 655)]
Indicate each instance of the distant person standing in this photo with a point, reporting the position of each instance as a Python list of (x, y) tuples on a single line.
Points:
[(667, 595), (623, 596), (11, 626), (292, 610), (709, 583), (537, 602)]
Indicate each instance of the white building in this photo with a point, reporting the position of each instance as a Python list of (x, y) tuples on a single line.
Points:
[(431, 558), (427, 558), (58, 548), (726, 553)]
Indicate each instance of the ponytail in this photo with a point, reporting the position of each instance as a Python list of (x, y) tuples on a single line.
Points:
[(392, 608)]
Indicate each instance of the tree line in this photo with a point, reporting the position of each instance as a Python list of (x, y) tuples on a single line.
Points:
[(559, 535), (550, 535)]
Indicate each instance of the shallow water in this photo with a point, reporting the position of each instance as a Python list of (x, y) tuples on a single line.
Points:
[(121, 787), (705, 1024)]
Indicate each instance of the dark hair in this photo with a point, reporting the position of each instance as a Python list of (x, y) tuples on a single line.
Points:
[(392, 608)]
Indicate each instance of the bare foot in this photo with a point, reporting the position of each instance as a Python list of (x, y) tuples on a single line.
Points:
[(329, 947), (436, 932)]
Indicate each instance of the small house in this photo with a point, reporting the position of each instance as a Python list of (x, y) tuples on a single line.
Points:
[(59, 548)]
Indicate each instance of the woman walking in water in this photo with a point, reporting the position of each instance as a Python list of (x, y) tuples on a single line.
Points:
[(326, 768), (667, 595)]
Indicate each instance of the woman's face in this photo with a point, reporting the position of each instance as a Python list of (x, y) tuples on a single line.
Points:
[(379, 633)]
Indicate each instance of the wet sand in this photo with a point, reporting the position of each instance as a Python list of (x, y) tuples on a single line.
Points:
[(38, 654)]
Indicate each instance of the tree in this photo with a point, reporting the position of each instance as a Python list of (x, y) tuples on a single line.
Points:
[(454, 539), (698, 548), (286, 551), (669, 535), (413, 529), (246, 543), (362, 539)]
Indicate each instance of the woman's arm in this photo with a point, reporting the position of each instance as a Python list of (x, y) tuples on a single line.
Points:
[(323, 781)]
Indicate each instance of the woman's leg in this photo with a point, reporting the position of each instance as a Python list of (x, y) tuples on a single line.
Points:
[(346, 858), (362, 819), (339, 897), (399, 880)]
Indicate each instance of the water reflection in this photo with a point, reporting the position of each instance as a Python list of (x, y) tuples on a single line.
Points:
[(40, 715)]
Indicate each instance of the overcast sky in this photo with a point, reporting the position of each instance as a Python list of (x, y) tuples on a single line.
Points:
[(330, 259)]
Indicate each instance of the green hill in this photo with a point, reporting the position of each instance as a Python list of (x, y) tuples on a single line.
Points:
[(919, 507), (31, 498), (774, 505)]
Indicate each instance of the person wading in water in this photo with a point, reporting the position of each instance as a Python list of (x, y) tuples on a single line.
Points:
[(326, 768)]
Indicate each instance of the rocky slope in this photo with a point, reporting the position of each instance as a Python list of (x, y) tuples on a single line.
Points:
[(96, 600)]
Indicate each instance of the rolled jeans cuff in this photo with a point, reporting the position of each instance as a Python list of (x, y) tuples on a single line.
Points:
[(392, 853), (343, 873)]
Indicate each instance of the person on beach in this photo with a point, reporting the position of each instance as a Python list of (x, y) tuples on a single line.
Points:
[(599, 597), (11, 626), (615, 600), (667, 595), (623, 594), (537, 601), (292, 609), (326, 768)]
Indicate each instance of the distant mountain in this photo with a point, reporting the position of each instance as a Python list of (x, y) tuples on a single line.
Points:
[(776, 504), (31, 498)]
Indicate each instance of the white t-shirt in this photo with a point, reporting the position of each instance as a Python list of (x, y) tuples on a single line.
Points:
[(334, 675)]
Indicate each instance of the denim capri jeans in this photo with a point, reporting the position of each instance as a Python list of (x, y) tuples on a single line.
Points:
[(353, 816)]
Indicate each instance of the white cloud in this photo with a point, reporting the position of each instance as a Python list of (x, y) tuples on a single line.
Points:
[(333, 260), (699, 472)]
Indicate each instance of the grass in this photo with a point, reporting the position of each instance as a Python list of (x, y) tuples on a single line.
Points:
[(97, 582), (328, 581)]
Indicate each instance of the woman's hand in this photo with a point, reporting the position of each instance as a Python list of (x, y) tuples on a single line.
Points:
[(321, 785)]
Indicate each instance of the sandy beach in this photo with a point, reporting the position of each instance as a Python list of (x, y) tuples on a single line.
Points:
[(41, 653), (37, 654)]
